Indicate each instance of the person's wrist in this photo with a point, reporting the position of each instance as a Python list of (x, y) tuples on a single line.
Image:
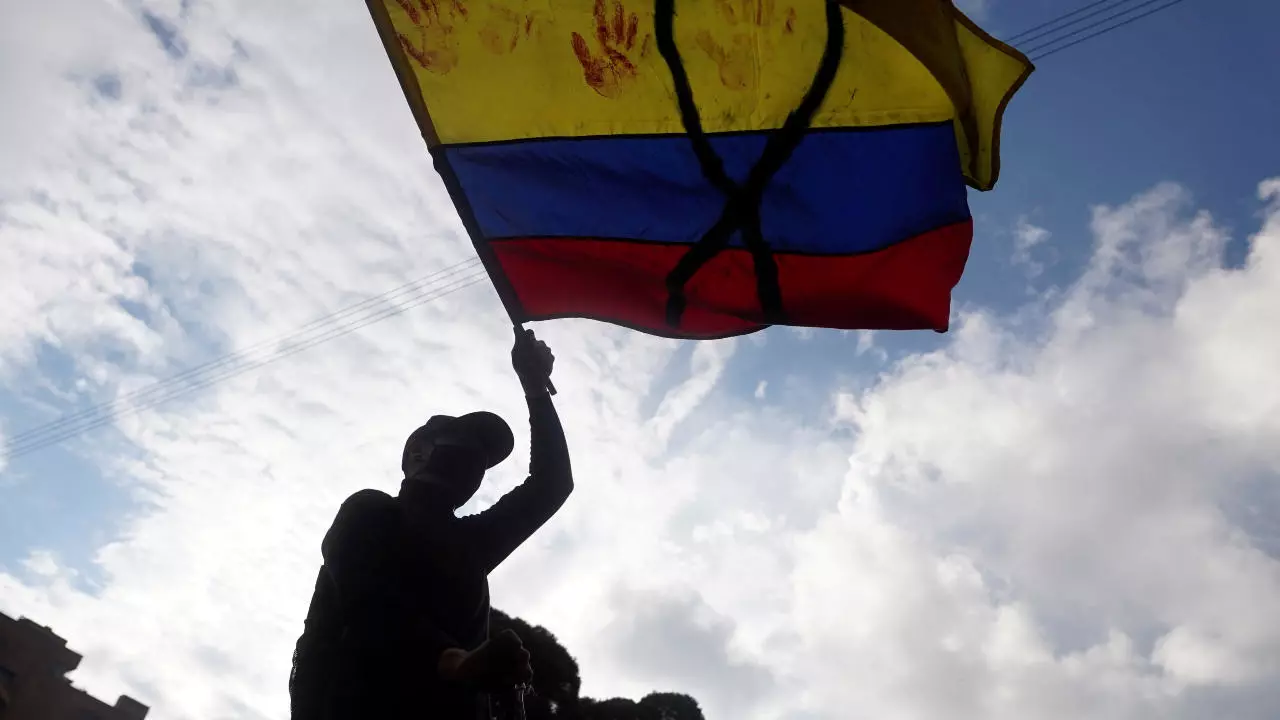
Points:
[(534, 388)]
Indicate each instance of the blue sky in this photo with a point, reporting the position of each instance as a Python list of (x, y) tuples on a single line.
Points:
[(1075, 488)]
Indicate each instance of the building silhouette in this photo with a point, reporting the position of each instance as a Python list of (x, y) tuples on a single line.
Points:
[(34, 663)]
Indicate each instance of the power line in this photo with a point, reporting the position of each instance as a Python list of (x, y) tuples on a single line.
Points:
[(19, 449), (421, 284), (1123, 11), (1021, 36), (1036, 53), (38, 440)]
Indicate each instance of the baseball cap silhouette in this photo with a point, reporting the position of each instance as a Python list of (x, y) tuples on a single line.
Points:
[(492, 431)]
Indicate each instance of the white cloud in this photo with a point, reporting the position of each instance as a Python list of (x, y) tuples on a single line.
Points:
[(1026, 238), (1045, 523), (706, 365), (42, 563), (1070, 524)]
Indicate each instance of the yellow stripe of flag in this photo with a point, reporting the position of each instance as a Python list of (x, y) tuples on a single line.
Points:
[(495, 70)]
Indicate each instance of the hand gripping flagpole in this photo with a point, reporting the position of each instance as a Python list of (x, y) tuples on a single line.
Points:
[(551, 388)]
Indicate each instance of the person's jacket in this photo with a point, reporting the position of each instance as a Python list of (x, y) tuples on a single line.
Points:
[(412, 581)]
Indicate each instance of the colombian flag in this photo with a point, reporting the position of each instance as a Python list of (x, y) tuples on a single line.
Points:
[(706, 168)]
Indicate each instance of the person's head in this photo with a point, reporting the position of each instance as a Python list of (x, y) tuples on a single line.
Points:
[(449, 455)]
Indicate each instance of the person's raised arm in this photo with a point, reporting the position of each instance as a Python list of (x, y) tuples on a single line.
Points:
[(518, 514)]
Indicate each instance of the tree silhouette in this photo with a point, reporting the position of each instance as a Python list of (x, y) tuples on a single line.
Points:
[(672, 706), (555, 673), (556, 682), (615, 709)]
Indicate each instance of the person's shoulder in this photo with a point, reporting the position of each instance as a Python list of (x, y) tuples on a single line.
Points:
[(363, 515), (367, 501), (369, 495)]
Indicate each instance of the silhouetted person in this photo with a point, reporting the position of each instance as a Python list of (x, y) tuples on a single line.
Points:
[(411, 577)]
